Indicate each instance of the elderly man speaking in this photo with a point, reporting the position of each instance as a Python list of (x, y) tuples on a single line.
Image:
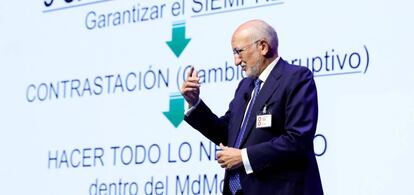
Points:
[(267, 133)]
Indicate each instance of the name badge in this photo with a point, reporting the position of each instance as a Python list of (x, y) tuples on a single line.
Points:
[(264, 119)]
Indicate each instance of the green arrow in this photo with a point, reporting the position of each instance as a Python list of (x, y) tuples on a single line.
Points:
[(176, 113), (178, 41)]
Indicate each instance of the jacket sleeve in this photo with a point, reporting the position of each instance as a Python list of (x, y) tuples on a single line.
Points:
[(210, 125)]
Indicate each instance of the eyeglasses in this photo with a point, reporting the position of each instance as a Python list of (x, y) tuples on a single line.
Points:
[(238, 51)]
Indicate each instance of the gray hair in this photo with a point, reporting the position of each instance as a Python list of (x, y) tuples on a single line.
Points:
[(262, 30)]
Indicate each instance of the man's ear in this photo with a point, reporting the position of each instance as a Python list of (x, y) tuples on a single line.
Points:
[(264, 48)]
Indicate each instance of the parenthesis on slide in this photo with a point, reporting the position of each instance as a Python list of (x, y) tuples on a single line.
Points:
[(366, 67), (325, 144), (178, 76)]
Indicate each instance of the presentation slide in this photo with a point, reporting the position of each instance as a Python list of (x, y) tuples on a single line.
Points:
[(90, 98)]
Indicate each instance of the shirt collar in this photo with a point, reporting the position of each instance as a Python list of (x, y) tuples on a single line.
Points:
[(263, 76)]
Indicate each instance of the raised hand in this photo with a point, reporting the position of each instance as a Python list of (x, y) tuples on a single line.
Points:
[(191, 87)]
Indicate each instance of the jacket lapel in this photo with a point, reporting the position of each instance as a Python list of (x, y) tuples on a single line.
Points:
[(240, 108), (268, 88)]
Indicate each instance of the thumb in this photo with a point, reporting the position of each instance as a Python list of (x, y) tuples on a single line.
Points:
[(222, 146)]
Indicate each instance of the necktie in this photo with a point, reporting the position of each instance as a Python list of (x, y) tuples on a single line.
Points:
[(234, 181)]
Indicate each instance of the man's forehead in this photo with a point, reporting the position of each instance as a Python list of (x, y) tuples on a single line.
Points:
[(240, 37)]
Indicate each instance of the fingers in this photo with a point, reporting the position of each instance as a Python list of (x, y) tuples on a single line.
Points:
[(191, 87), (194, 74), (222, 159), (229, 158), (226, 165), (192, 82), (221, 153), (191, 72), (222, 146)]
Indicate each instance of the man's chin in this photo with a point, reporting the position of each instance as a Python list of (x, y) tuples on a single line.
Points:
[(250, 74)]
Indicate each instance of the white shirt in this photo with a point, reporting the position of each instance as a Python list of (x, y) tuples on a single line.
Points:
[(263, 77)]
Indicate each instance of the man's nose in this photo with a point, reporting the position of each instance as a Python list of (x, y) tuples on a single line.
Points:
[(237, 59)]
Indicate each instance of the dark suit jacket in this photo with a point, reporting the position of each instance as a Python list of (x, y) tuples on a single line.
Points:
[(281, 156)]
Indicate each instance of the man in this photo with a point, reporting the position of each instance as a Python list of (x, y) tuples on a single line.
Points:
[(267, 133)]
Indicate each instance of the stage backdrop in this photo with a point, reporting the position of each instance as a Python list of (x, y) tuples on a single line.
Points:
[(90, 99)]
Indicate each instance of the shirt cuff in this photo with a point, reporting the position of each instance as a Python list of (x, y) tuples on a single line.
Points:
[(246, 161), (188, 112)]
